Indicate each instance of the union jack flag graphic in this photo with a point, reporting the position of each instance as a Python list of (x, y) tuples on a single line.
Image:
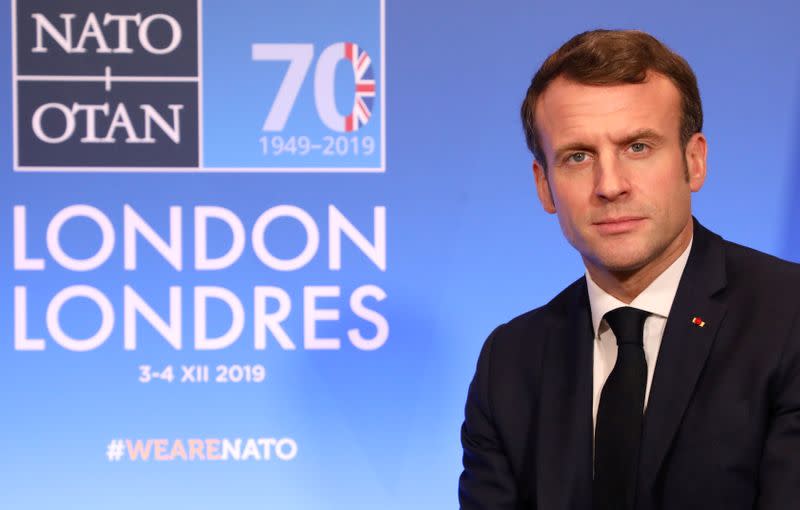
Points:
[(365, 87)]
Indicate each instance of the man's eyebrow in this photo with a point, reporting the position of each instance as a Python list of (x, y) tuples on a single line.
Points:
[(573, 146), (641, 134)]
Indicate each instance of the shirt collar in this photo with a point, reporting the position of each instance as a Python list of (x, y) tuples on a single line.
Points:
[(656, 298)]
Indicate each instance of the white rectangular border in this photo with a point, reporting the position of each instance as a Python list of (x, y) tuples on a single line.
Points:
[(200, 169)]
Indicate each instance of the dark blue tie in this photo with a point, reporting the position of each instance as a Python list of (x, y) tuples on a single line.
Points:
[(618, 429)]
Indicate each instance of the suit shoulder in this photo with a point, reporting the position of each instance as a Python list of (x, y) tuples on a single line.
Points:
[(760, 269), (538, 322)]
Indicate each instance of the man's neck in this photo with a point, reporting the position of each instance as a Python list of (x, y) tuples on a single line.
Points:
[(626, 285)]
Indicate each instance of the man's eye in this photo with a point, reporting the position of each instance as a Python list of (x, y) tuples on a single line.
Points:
[(638, 147), (578, 157)]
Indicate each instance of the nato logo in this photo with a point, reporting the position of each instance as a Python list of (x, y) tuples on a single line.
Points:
[(235, 86), (106, 85)]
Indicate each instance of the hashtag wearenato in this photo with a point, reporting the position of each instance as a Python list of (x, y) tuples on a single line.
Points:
[(200, 450)]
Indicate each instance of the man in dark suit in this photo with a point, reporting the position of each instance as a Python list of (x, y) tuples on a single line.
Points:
[(668, 377)]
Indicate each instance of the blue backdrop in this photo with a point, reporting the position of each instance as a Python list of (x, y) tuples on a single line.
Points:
[(437, 145)]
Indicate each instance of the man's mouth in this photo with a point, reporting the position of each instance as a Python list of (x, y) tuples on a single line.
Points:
[(618, 225)]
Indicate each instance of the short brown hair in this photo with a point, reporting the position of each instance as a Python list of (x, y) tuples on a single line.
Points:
[(608, 57)]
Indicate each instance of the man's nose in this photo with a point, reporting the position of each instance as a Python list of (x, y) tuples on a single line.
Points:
[(611, 178)]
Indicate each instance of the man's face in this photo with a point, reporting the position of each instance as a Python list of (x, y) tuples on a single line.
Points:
[(617, 175)]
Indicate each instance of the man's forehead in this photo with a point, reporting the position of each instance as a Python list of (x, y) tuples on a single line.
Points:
[(567, 109)]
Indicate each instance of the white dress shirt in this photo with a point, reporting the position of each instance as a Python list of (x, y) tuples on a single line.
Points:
[(657, 299)]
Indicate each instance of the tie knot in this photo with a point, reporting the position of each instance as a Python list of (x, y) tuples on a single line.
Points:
[(627, 323)]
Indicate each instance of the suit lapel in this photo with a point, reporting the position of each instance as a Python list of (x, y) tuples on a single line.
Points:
[(564, 454), (684, 349)]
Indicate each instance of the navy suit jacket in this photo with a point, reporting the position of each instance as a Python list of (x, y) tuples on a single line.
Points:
[(722, 426)]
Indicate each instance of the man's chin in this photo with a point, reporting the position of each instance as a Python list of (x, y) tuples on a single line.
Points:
[(620, 264)]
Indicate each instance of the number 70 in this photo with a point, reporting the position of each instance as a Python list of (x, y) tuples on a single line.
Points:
[(299, 57)]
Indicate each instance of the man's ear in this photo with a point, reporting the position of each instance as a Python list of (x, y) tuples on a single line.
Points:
[(543, 188), (695, 155)]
